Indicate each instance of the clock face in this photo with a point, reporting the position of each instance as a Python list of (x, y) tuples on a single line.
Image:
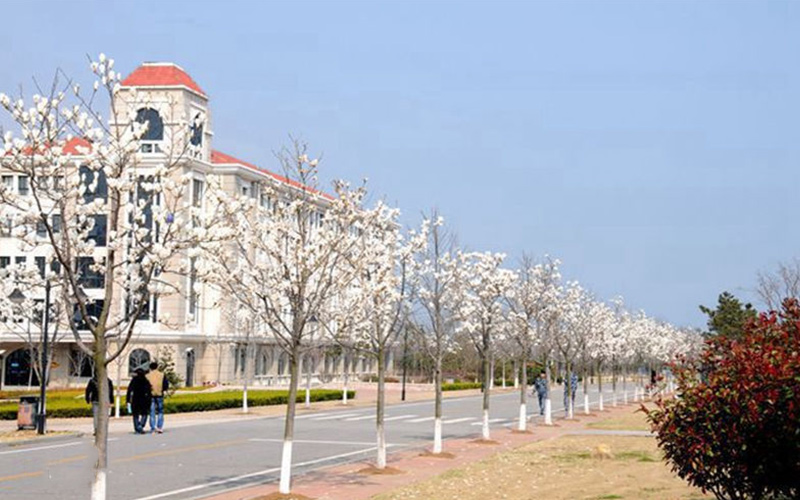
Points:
[(196, 136)]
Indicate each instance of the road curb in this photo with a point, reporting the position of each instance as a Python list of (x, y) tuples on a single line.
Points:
[(46, 439)]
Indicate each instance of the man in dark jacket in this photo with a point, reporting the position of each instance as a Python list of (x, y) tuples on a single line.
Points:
[(541, 388), (138, 399), (92, 396)]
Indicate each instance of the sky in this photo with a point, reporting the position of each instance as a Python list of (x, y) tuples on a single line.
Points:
[(651, 146)]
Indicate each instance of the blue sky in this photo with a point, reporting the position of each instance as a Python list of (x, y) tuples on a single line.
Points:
[(652, 146)]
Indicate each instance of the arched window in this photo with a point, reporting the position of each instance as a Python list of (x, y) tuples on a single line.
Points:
[(19, 370), (282, 360), (196, 131), (139, 358), (154, 132)]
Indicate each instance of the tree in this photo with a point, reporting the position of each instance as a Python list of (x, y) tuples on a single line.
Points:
[(113, 220), (482, 284), (734, 430), (380, 288), (282, 256), (730, 316), (783, 283), (435, 297)]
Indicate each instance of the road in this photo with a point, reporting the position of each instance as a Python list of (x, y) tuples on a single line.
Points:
[(196, 461)]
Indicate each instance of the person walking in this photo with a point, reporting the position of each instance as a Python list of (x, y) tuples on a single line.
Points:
[(159, 386), (138, 400), (540, 386), (92, 395), (573, 378)]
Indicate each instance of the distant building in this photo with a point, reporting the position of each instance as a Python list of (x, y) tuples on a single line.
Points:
[(204, 349)]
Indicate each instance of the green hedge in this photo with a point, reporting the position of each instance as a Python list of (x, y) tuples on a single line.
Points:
[(63, 407), (461, 386)]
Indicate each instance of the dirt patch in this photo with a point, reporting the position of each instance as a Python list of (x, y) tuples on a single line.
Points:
[(484, 441), (517, 431), (11, 436), (282, 496), (444, 454), (371, 470), (631, 420)]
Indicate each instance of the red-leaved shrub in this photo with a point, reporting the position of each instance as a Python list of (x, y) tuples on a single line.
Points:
[(734, 429)]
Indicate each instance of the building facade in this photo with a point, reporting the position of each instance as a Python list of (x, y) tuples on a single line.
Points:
[(186, 327)]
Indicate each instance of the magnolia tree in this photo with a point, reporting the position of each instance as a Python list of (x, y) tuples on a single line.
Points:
[(482, 284), (109, 220), (594, 345), (436, 293), (532, 303), (380, 289), (282, 255)]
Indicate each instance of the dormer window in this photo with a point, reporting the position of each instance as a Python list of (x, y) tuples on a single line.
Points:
[(155, 130)]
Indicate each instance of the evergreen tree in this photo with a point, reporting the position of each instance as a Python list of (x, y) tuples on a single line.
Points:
[(730, 316)]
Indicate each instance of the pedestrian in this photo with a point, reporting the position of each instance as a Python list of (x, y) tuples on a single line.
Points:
[(573, 378), (159, 386), (540, 386), (92, 396), (138, 400)]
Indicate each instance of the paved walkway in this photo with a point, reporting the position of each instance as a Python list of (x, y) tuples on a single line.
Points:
[(348, 482)]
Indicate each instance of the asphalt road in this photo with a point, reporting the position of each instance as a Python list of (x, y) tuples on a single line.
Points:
[(196, 461)]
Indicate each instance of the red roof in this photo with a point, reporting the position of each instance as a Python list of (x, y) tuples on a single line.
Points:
[(220, 158), (161, 75)]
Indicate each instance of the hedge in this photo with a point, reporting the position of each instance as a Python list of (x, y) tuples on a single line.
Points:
[(461, 386), (61, 407)]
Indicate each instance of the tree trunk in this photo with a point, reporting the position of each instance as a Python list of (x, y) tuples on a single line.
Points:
[(548, 403), (491, 371), (344, 383), (523, 396), (307, 366), (600, 386), (504, 374), (101, 432), (288, 429), (118, 390), (487, 378), (568, 388), (585, 389), (245, 409), (437, 407), (516, 375), (381, 431)]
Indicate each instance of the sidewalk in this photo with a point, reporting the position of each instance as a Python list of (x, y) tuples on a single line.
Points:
[(350, 482), (366, 395)]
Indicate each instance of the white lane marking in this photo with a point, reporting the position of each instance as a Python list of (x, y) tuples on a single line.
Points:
[(309, 441), (491, 421), (418, 420), (398, 417), (457, 420), (252, 474), (333, 417), (10, 452), (355, 419)]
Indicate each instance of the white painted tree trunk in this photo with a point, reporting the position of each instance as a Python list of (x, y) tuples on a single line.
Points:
[(245, 409), (116, 406), (600, 402), (99, 485), (381, 461), (504, 375), (586, 404), (437, 435), (570, 408), (344, 384), (485, 425), (516, 376), (523, 417), (286, 468), (548, 411)]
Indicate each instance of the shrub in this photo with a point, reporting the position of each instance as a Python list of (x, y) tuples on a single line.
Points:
[(734, 429), (461, 386), (182, 403)]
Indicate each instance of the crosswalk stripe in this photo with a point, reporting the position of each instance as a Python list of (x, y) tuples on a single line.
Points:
[(418, 420), (398, 417), (334, 417), (457, 420)]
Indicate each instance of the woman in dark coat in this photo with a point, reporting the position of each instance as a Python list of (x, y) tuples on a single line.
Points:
[(138, 400)]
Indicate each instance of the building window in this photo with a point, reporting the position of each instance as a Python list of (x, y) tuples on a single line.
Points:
[(155, 130), (80, 363), (95, 183), (8, 182), (40, 265), (20, 261), (5, 262), (197, 193), (93, 310), (88, 276), (55, 224), (23, 185), (196, 131), (282, 362), (139, 358), (192, 293)]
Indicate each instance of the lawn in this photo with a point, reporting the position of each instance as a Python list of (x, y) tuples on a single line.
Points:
[(574, 467)]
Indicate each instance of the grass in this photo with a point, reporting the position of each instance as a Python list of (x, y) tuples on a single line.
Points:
[(569, 467), (630, 421)]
